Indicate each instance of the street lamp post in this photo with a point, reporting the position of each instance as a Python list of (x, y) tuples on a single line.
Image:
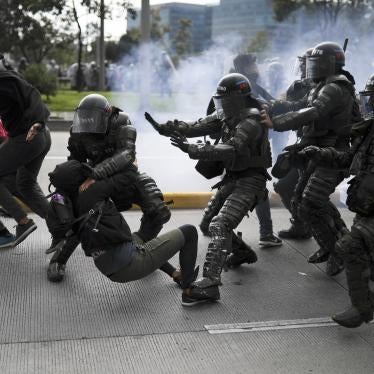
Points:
[(102, 48), (145, 62)]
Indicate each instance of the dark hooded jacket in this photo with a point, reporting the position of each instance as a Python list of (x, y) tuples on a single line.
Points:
[(20, 104)]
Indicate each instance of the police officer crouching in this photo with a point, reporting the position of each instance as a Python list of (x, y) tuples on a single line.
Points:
[(91, 218), (103, 138)]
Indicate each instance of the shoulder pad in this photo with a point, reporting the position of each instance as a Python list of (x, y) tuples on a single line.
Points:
[(122, 119), (338, 79), (252, 113), (361, 128)]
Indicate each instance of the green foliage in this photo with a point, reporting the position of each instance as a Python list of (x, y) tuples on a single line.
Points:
[(260, 42), (27, 29), (157, 29), (129, 41), (183, 38), (41, 78), (330, 10)]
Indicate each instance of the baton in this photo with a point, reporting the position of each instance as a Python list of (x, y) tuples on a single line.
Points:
[(345, 44), (152, 121)]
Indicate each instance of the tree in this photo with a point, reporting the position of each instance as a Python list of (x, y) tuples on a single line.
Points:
[(29, 29), (327, 11), (183, 38), (158, 30)]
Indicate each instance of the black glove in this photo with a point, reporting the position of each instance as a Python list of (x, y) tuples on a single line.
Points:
[(180, 141), (312, 152)]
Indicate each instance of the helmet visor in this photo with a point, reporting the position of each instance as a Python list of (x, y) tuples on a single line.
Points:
[(92, 121), (367, 104), (230, 106), (319, 67)]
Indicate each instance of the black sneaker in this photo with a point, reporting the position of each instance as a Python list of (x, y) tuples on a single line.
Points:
[(270, 241), (23, 231), (200, 295)]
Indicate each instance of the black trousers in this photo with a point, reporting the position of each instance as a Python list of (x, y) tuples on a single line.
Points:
[(24, 159)]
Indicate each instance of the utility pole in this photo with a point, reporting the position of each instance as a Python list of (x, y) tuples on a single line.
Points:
[(145, 63), (102, 48)]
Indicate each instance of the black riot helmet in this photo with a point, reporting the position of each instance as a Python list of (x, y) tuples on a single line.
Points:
[(302, 62), (232, 95), (327, 59), (92, 115), (367, 98)]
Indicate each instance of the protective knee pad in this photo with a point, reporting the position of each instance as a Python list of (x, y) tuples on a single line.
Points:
[(209, 212)]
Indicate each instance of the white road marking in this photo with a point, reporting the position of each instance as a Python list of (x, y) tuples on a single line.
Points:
[(270, 325)]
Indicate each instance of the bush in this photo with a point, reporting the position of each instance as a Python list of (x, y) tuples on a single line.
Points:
[(42, 79)]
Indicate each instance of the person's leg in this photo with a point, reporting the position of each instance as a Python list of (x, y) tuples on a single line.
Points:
[(246, 193), (27, 175), (150, 256), (13, 156), (324, 219), (155, 214), (267, 238), (285, 187), (6, 238), (356, 253)]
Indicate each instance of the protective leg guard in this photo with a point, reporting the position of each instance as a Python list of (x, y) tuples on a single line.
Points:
[(241, 253), (335, 265)]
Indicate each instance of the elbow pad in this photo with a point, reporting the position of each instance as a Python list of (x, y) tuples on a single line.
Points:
[(113, 165), (294, 120)]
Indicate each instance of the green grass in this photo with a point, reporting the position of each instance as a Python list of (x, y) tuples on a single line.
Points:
[(67, 101)]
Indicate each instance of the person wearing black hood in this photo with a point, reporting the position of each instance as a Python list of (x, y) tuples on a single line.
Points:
[(24, 117)]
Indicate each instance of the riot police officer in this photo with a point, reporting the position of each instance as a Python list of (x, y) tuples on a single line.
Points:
[(103, 138), (356, 246), (285, 186), (325, 117), (244, 153)]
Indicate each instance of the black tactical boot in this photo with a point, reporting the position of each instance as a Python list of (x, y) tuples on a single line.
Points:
[(319, 256), (297, 230), (56, 272), (352, 317), (196, 295), (334, 266), (241, 252)]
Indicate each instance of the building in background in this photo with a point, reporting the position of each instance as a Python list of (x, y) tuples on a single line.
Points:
[(172, 13), (247, 18)]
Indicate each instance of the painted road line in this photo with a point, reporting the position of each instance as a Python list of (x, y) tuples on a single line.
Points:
[(270, 325)]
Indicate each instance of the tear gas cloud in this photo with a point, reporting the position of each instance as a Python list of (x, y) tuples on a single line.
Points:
[(184, 92)]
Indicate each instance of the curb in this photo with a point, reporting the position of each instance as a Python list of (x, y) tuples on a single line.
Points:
[(199, 200)]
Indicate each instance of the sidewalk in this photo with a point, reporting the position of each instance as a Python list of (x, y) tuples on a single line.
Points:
[(89, 325)]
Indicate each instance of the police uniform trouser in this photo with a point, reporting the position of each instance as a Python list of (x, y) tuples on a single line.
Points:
[(357, 249), (226, 210), (313, 206)]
